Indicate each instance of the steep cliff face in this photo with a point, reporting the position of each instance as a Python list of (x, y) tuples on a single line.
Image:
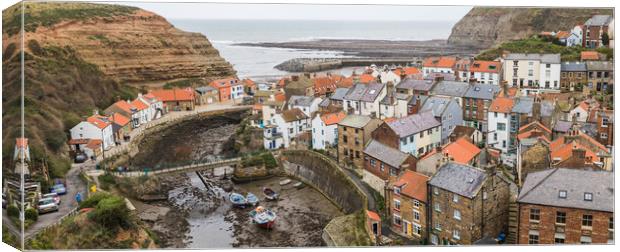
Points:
[(132, 45), (484, 27)]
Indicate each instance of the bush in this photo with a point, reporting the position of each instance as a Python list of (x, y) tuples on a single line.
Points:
[(31, 214), (58, 166), (93, 200), (269, 160), (12, 211), (111, 212), (106, 180)]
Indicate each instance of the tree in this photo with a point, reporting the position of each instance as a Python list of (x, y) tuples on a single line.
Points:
[(605, 39)]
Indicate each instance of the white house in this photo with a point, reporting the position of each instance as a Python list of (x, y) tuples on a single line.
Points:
[(418, 133), (499, 123), (325, 130), (387, 75), (486, 72), (143, 111), (581, 112), (533, 73), (95, 127), (394, 105), (156, 106), (438, 65), (576, 36), (364, 99), (307, 104), (236, 90), (289, 124)]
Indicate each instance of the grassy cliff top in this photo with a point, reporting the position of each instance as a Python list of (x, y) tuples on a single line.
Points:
[(537, 45), (48, 14)]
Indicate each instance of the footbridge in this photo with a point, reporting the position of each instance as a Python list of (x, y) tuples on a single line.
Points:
[(180, 169)]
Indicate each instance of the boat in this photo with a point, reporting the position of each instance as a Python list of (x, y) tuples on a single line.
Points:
[(238, 200), (285, 182), (263, 217), (251, 199), (270, 194), (299, 185)]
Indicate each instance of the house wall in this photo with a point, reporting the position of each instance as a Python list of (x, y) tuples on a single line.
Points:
[(569, 80), (451, 117), (428, 70), (375, 182), (573, 230), (85, 130), (487, 78), (502, 135), (406, 214)]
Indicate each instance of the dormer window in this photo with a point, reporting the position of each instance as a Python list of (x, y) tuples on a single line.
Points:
[(562, 194), (397, 190), (587, 196)]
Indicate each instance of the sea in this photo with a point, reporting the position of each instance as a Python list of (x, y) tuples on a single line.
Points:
[(258, 62)]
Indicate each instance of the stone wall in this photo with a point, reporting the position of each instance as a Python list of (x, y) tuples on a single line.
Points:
[(373, 181)]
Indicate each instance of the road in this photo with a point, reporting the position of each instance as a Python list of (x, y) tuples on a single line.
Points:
[(67, 203)]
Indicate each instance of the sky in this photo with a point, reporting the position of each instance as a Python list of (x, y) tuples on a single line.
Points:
[(303, 12)]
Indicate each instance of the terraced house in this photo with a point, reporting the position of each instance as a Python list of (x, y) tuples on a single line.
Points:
[(532, 72), (466, 205), (354, 132), (415, 134), (476, 102), (573, 76), (408, 208), (567, 206)]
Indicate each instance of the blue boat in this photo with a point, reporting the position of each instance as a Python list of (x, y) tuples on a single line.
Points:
[(251, 199), (263, 217), (237, 200)]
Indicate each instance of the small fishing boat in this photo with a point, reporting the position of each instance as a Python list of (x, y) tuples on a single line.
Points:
[(299, 185), (270, 194), (238, 200), (263, 217), (285, 182), (251, 199)]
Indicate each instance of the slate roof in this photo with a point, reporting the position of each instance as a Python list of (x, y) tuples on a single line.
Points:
[(205, 89), (415, 123), (388, 155), (436, 104), (300, 100), (415, 99), (355, 121), (293, 115), (482, 91), (543, 188), (573, 67), (461, 179), (544, 58), (451, 88), (523, 105), (600, 66), (562, 126), (546, 108), (599, 20), (365, 93), (421, 85), (339, 94)]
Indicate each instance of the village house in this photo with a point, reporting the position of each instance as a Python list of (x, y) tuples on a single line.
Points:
[(415, 134), (533, 156), (472, 134), (120, 127), (126, 109), (532, 72), (334, 100), (176, 99), (249, 86), (325, 130), (574, 76), (604, 119), (224, 88), (499, 123), (364, 99), (447, 111), (453, 89), (285, 125), (462, 151), (21, 152), (382, 164), (408, 72), (467, 204), (386, 76), (581, 112), (299, 85), (407, 205), (143, 111), (237, 90), (591, 56), (415, 87), (594, 28), (394, 104), (207, 95), (567, 206), (462, 69), (95, 127), (326, 85), (525, 111), (476, 102), (485, 72), (438, 65), (415, 104), (156, 106), (600, 77), (577, 149), (354, 132), (576, 36), (307, 104)]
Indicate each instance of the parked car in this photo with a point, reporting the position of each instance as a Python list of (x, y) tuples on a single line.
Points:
[(4, 201), (53, 196), (59, 189), (47, 205), (80, 158)]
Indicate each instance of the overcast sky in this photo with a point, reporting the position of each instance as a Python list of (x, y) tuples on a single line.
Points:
[(298, 11)]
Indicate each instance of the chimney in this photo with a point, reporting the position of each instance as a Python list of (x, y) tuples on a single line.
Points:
[(536, 110), (504, 88), (295, 77), (95, 111), (438, 78)]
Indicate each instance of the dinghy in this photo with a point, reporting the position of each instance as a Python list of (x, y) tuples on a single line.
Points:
[(238, 200), (251, 199), (270, 194), (263, 217), (285, 182), (299, 185)]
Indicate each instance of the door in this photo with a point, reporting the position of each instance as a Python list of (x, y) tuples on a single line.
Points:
[(375, 228)]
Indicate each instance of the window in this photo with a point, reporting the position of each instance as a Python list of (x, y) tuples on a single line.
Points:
[(435, 191), (437, 207), (586, 220), (438, 226), (421, 134), (562, 194), (533, 239), (586, 239), (501, 126), (417, 229), (456, 234), (495, 136), (434, 240), (559, 238), (611, 223), (397, 220), (495, 114), (411, 139), (372, 162), (416, 203), (504, 143), (457, 214), (455, 198), (300, 128), (416, 215), (382, 167), (344, 139), (587, 196), (357, 155), (534, 214), (560, 217), (397, 190), (397, 205)]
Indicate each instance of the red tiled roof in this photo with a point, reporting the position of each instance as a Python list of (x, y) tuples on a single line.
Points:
[(333, 118), (366, 78), (99, 121), (537, 124), (119, 119), (502, 105), (139, 105), (485, 66), (372, 215), (324, 84), (21, 142), (220, 83), (280, 97), (443, 62), (461, 150), (562, 34), (565, 151), (124, 106), (93, 144), (413, 184), (589, 55), (257, 106), (78, 141), (346, 82), (248, 83), (406, 71), (167, 95)]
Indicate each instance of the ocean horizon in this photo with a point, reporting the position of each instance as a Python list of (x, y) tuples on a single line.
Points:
[(258, 62)]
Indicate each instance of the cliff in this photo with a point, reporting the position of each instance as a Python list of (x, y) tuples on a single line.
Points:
[(485, 27), (80, 57)]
